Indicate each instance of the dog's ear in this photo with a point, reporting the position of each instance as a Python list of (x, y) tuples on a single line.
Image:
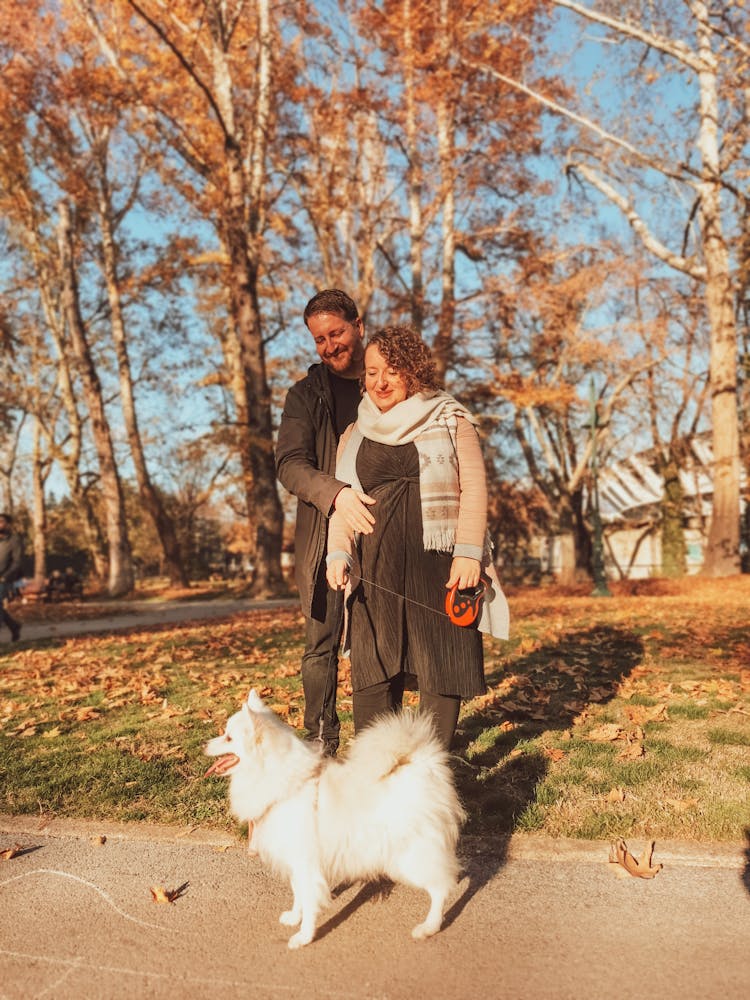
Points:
[(255, 703)]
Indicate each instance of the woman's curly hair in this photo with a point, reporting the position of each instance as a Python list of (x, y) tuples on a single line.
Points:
[(407, 353)]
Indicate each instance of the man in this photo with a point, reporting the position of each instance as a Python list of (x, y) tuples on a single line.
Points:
[(11, 556), (316, 412)]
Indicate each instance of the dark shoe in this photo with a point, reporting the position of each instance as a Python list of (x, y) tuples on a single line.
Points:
[(15, 633), (327, 748)]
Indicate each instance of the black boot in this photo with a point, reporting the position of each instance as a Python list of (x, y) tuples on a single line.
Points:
[(13, 626)]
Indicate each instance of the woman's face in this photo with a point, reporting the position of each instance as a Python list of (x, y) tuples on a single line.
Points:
[(383, 384)]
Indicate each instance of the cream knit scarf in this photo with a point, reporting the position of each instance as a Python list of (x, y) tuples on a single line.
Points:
[(429, 420)]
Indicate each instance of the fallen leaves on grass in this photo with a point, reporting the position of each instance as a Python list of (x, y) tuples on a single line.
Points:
[(616, 795), (87, 677), (611, 732), (638, 868), (683, 805), (607, 733), (634, 750), (643, 714)]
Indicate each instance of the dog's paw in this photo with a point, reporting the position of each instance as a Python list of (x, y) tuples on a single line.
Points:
[(425, 930), (290, 918), (299, 940)]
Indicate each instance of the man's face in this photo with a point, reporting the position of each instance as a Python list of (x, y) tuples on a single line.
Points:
[(339, 343)]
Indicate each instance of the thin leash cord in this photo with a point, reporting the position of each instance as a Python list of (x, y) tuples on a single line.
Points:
[(393, 593), (403, 597)]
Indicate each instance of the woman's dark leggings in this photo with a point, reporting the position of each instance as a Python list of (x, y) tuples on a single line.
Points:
[(387, 696)]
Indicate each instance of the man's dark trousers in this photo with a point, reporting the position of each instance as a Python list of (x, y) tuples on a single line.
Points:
[(320, 662)]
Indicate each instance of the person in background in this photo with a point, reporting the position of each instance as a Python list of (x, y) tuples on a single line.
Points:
[(415, 450), (316, 411), (11, 557)]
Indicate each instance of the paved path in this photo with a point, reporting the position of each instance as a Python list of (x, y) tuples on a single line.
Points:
[(122, 615), (538, 920)]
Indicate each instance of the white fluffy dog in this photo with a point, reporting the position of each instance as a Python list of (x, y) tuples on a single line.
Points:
[(388, 809)]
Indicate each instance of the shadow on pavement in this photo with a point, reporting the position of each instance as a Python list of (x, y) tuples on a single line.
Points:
[(496, 776)]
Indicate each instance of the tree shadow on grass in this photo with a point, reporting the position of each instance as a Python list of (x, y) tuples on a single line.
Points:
[(496, 776)]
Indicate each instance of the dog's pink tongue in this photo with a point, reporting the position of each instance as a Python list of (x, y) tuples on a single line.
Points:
[(222, 764)]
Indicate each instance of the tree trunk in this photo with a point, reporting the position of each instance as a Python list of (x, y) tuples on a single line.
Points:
[(148, 493), (253, 403), (414, 177), (673, 550), (446, 129), (241, 224), (582, 541), (69, 459), (39, 519), (120, 579), (722, 556)]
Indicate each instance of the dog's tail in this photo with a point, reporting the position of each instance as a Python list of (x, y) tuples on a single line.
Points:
[(404, 747)]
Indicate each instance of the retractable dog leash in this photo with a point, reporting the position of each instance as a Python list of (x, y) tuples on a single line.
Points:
[(462, 605)]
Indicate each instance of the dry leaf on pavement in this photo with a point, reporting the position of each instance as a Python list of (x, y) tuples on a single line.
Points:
[(162, 895), (640, 868)]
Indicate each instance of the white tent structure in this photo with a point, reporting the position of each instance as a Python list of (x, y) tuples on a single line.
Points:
[(630, 494)]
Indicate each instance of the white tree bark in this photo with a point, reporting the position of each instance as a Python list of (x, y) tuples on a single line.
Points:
[(714, 271)]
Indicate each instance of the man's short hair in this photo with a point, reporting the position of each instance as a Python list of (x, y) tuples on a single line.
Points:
[(332, 300)]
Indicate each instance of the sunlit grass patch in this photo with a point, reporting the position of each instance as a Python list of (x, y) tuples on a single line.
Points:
[(686, 709), (115, 726), (725, 736)]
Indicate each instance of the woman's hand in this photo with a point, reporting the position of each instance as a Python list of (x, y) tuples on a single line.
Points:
[(337, 574), (465, 572)]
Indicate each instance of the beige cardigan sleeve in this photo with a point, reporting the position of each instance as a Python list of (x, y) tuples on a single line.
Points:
[(471, 529)]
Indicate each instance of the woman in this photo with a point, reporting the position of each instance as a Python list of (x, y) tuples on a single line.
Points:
[(415, 450)]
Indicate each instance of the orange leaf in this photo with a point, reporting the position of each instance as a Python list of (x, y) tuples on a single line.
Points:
[(605, 734), (646, 713), (682, 805), (162, 895), (633, 751), (640, 868)]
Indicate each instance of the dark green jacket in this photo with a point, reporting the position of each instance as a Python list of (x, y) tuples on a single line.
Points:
[(305, 465), (11, 557)]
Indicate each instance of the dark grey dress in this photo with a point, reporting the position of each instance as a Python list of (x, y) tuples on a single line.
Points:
[(390, 634)]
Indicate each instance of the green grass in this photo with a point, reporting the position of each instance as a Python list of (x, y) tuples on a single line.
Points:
[(729, 737), (114, 727)]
